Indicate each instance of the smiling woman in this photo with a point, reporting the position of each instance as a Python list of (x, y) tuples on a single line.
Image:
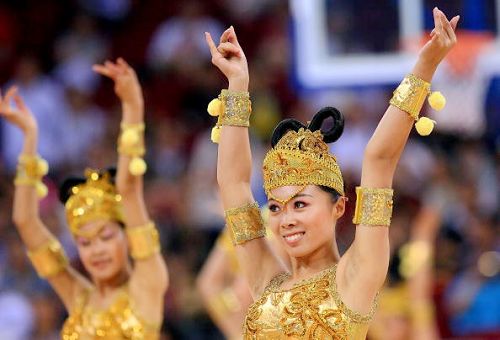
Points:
[(324, 295), (108, 221)]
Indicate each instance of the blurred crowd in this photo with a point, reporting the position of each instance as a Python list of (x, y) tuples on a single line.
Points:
[(47, 49)]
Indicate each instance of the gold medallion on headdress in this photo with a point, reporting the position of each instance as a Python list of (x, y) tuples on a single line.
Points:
[(92, 201), (301, 158)]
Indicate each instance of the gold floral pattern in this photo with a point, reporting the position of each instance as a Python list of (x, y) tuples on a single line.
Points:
[(311, 309)]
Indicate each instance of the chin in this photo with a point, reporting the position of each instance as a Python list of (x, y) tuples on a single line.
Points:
[(298, 252)]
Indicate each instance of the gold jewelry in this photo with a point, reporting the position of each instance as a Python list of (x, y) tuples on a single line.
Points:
[(301, 158), (131, 144), (49, 259), (30, 171), (144, 241), (373, 206), (232, 108), (410, 95), (224, 303), (245, 223), (94, 200), (414, 255), (237, 108), (288, 199)]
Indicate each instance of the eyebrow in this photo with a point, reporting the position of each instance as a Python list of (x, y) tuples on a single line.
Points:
[(294, 197)]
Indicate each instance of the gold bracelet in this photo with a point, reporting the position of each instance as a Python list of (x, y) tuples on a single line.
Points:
[(144, 241), (237, 108), (410, 95), (49, 259), (30, 171), (373, 206), (245, 223), (131, 141), (224, 303), (131, 144)]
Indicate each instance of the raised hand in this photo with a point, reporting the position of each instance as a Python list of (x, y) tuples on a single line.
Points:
[(228, 56), (19, 115), (443, 38), (127, 86)]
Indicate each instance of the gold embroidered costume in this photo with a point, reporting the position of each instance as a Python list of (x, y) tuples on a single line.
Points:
[(118, 321), (311, 309)]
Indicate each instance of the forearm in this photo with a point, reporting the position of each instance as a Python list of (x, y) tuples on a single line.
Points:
[(25, 208), (128, 184), (390, 137), (234, 162)]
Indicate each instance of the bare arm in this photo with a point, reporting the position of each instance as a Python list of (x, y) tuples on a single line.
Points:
[(234, 165), (149, 275), (32, 230), (224, 292), (366, 262)]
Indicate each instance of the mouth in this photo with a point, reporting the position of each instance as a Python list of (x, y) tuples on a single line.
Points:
[(293, 238), (100, 264)]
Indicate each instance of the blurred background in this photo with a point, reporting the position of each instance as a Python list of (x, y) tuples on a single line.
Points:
[(303, 54)]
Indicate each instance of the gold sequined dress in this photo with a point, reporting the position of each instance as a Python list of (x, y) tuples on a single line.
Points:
[(311, 309), (118, 321)]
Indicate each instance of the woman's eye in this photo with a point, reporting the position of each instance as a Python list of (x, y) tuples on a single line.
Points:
[(299, 205), (106, 237), (84, 243), (273, 208)]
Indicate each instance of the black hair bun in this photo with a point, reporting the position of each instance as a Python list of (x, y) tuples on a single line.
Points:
[(70, 182), (283, 127), (65, 187), (335, 131)]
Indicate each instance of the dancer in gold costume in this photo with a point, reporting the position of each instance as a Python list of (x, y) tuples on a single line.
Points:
[(122, 300), (324, 295)]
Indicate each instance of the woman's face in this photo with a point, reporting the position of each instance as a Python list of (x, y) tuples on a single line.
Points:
[(306, 222), (104, 254)]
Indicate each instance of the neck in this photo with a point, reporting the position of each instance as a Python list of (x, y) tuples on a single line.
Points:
[(320, 259), (103, 287)]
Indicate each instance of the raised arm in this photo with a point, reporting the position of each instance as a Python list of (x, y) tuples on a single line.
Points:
[(234, 163), (367, 259), (45, 251), (150, 272)]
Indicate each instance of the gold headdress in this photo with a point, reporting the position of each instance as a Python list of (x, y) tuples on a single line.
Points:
[(96, 199), (301, 158)]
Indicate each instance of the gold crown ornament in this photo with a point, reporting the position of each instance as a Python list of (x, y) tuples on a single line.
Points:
[(301, 158), (94, 200)]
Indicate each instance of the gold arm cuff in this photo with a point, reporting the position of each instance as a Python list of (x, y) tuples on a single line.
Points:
[(144, 241), (245, 223), (131, 140), (224, 303), (34, 167), (49, 259), (373, 206), (237, 108), (410, 95)]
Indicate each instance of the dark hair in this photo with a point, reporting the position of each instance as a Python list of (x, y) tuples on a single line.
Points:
[(70, 182), (329, 136)]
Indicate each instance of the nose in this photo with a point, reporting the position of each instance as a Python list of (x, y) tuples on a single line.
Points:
[(97, 247), (287, 220)]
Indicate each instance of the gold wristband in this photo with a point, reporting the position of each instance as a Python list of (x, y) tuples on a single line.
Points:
[(245, 223), (373, 206), (33, 167), (131, 142), (49, 259), (410, 95), (237, 108), (224, 303), (144, 241)]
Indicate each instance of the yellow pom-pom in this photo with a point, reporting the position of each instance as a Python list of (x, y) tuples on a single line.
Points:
[(129, 138), (424, 126), (41, 190), (137, 166), (215, 107), (437, 101), (215, 136), (42, 167)]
